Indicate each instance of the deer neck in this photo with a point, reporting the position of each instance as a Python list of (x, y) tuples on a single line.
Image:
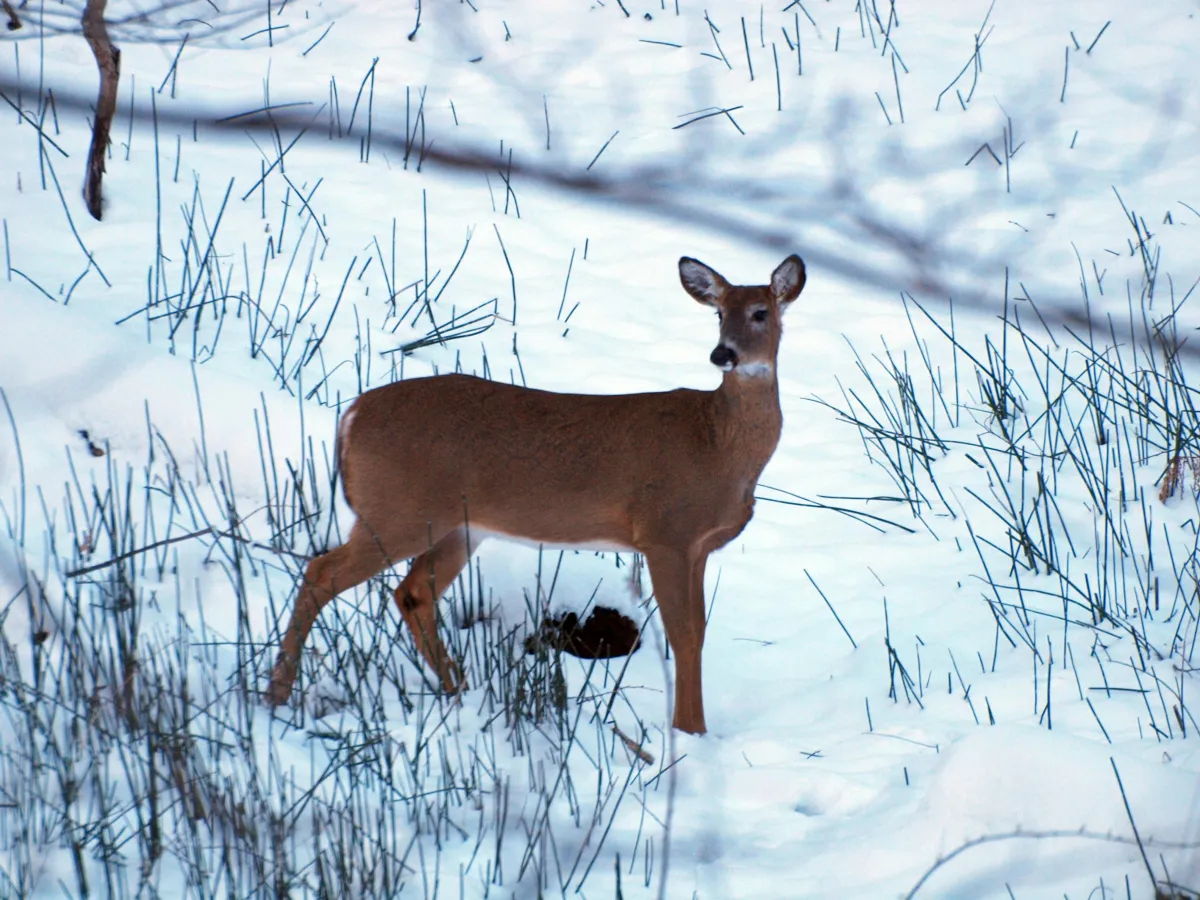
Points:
[(748, 412)]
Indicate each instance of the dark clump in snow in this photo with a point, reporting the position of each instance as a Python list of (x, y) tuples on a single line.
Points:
[(604, 634)]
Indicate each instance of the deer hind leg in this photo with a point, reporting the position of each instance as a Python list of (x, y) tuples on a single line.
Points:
[(678, 578), (417, 596), (326, 576)]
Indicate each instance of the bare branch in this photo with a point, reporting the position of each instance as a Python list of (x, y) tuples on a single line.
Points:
[(166, 21), (1081, 834), (840, 229)]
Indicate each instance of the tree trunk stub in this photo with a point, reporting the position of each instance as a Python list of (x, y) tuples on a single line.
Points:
[(108, 60)]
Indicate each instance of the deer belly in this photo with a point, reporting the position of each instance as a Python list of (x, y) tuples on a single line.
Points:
[(598, 546)]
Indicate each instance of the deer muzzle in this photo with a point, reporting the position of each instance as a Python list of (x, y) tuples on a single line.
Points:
[(724, 357)]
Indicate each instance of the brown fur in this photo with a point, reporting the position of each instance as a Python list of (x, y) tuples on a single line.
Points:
[(428, 461)]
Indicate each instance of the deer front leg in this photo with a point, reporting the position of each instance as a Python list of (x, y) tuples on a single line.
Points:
[(678, 577), (417, 596), (326, 576)]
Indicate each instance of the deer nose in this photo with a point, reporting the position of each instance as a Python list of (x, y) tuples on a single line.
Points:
[(724, 357)]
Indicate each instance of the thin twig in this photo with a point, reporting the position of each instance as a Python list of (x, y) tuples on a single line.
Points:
[(177, 539), (1082, 833)]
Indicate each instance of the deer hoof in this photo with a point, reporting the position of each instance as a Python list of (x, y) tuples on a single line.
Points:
[(280, 689), (453, 682)]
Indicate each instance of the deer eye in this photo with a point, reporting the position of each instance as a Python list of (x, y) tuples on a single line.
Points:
[(759, 315)]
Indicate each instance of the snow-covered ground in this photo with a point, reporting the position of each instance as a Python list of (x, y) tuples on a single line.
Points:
[(951, 656)]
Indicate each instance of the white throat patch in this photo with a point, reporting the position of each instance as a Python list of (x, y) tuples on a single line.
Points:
[(754, 370)]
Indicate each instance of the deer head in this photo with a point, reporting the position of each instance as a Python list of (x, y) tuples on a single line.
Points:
[(751, 317)]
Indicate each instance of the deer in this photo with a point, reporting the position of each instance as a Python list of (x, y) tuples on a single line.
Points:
[(433, 466)]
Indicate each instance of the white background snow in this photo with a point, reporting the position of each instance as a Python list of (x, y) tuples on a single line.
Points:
[(813, 780)]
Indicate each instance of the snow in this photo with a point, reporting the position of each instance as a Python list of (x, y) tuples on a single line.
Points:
[(822, 774)]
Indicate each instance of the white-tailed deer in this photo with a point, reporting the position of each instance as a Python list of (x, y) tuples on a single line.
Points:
[(432, 466)]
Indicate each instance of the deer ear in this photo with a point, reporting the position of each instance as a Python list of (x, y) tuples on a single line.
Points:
[(787, 281), (701, 282)]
